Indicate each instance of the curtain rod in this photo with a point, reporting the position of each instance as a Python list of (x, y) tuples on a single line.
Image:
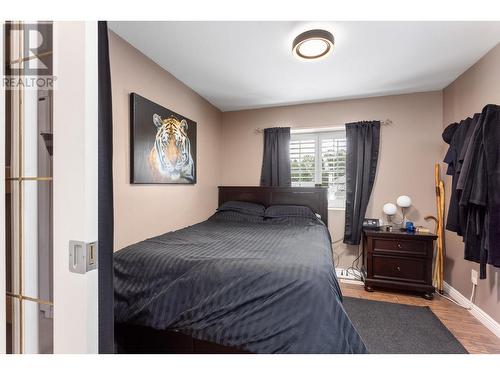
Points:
[(386, 122)]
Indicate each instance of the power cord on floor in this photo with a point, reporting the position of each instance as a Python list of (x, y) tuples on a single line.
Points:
[(353, 269), (335, 262), (458, 304), (360, 254)]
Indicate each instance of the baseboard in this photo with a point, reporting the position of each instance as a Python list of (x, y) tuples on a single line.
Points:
[(479, 314), (355, 282)]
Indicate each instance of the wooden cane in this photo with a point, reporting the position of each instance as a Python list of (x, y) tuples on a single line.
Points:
[(434, 273), (438, 265), (436, 186), (441, 234)]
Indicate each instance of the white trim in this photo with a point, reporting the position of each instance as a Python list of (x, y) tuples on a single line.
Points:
[(318, 130), (479, 314), (75, 183), (91, 173), (351, 281)]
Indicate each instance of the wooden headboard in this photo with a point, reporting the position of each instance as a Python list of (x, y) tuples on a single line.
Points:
[(316, 198)]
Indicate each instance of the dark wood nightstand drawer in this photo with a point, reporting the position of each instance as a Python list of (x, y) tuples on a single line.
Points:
[(417, 248), (394, 268), (399, 260)]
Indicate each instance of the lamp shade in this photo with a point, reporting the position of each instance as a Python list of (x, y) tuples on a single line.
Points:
[(389, 208), (404, 201)]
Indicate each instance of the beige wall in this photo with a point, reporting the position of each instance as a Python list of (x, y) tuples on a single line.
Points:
[(409, 148), (143, 211), (478, 86)]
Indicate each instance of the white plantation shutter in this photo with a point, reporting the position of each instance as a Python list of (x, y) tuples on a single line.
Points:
[(303, 156), (333, 163), (320, 159)]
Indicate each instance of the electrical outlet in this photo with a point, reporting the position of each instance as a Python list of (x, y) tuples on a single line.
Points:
[(473, 277)]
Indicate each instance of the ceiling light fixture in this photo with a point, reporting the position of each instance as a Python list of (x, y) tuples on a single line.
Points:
[(313, 44)]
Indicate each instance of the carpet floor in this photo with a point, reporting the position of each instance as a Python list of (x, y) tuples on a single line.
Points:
[(391, 328)]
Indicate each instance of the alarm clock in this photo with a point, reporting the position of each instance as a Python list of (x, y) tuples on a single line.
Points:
[(371, 223)]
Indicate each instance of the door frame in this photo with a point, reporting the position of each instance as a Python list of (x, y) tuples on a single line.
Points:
[(3, 321), (75, 109)]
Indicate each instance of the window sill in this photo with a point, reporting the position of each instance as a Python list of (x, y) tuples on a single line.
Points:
[(336, 209)]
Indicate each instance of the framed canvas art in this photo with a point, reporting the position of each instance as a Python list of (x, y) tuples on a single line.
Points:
[(162, 144)]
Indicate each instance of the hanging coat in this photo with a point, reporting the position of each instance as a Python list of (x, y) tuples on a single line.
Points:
[(478, 184), (456, 135), (492, 151)]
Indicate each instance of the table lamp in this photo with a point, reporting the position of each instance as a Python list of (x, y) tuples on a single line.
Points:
[(404, 202), (390, 210)]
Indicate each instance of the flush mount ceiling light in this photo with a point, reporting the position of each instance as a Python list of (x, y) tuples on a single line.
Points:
[(313, 44)]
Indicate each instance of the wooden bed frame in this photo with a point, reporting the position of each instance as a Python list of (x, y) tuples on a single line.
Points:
[(137, 339), (316, 198)]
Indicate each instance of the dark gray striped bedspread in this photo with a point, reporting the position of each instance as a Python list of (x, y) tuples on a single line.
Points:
[(265, 287)]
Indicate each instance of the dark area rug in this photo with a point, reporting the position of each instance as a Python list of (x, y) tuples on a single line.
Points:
[(391, 328)]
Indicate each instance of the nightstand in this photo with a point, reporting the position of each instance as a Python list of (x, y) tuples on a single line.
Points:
[(399, 260)]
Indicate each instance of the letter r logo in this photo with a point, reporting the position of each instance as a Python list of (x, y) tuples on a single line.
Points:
[(31, 49)]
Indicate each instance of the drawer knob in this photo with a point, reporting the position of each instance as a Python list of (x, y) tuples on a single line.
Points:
[(399, 245), (398, 268)]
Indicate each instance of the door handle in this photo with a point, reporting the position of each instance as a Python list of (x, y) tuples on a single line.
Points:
[(82, 256)]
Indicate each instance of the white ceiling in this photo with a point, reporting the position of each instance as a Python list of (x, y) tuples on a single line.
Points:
[(240, 65)]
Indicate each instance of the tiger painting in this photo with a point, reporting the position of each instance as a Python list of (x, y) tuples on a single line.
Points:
[(170, 158)]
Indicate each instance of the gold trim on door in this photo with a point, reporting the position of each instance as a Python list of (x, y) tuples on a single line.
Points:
[(29, 179), (20, 194), (37, 300)]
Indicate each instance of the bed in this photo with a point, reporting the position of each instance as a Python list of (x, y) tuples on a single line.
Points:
[(235, 283)]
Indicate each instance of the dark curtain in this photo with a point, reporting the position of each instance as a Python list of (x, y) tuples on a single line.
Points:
[(276, 159), (361, 166), (105, 195)]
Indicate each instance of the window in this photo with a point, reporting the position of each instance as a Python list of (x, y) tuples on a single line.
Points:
[(319, 159)]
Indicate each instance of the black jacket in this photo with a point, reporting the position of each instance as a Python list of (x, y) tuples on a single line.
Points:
[(478, 190)]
